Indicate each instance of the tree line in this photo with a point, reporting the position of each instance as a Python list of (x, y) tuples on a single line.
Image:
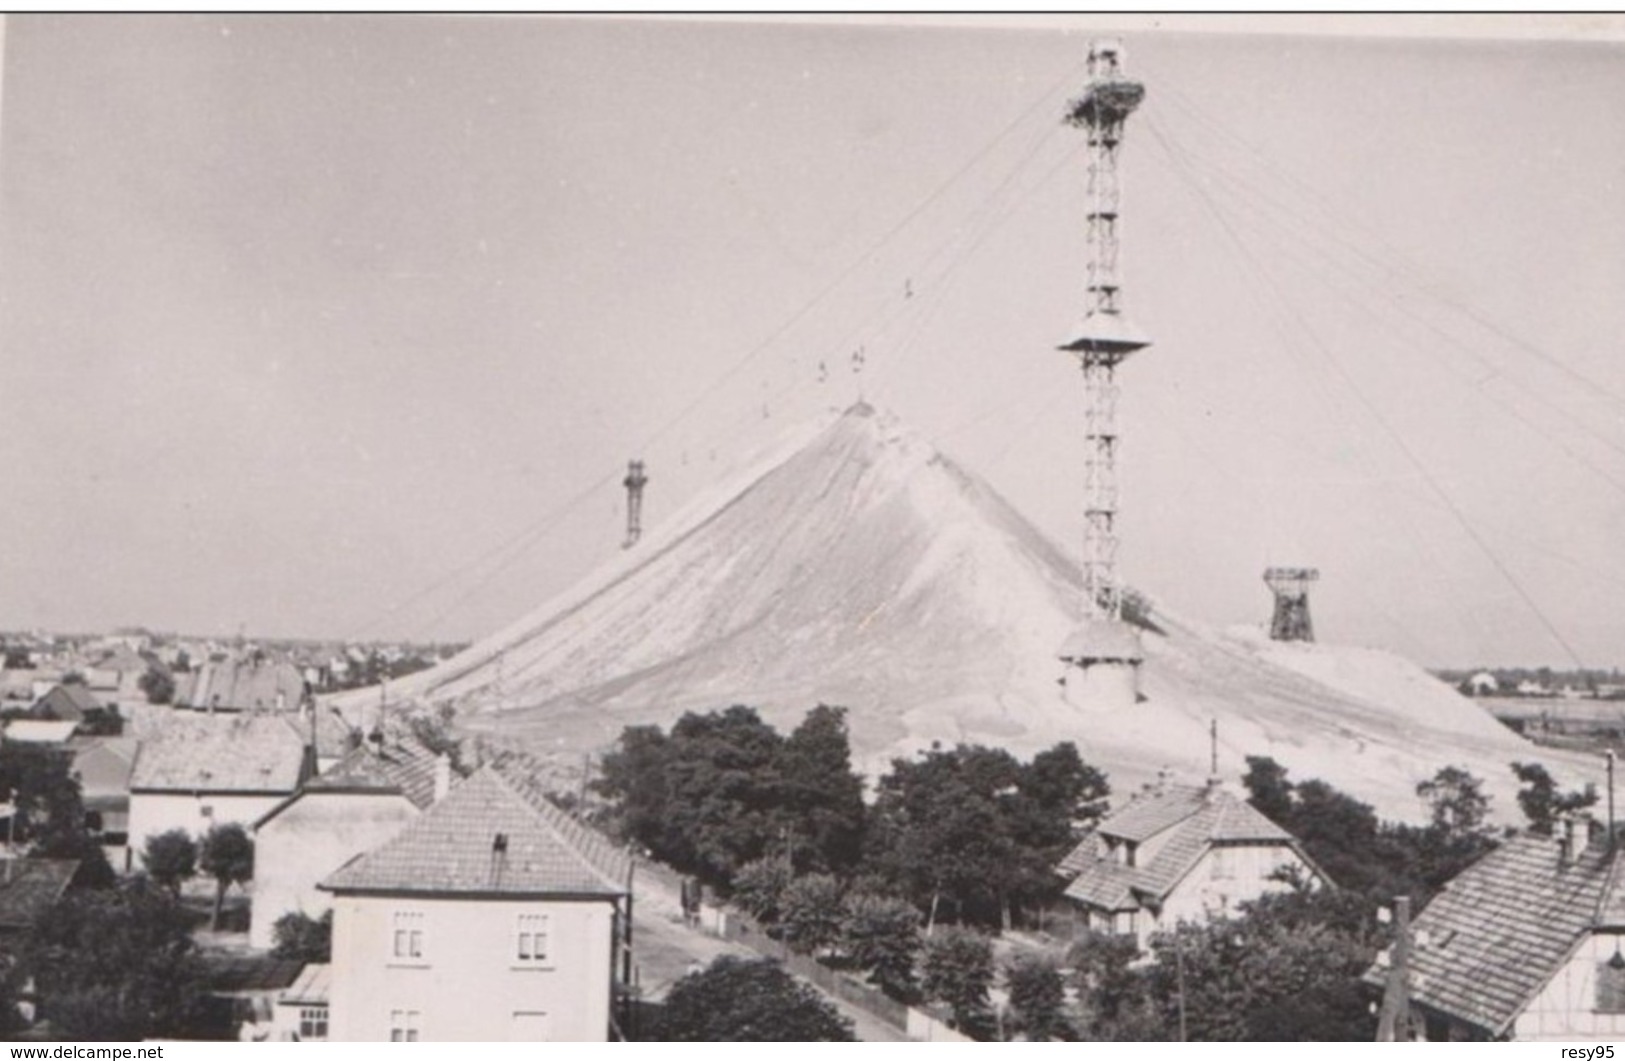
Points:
[(957, 843)]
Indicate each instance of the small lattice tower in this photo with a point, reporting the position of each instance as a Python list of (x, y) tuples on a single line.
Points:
[(1290, 585), (634, 482), (1101, 341)]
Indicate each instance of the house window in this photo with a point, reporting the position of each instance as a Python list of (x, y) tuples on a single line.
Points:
[(1611, 986), (408, 934), (405, 1025), (313, 1024), (206, 810), (1129, 850), (1223, 866), (532, 938)]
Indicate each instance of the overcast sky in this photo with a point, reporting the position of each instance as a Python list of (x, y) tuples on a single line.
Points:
[(306, 320)]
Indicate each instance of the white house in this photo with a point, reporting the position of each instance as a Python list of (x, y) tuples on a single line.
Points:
[(340, 813), (1524, 944), (301, 1010), (201, 770), (1179, 854), (493, 916)]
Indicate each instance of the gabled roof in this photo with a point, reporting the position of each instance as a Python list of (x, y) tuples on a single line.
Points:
[(1152, 814), (313, 987), (404, 765), (104, 764), (248, 974), (488, 838), (1193, 819), (28, 887), (220, 753), (68, 702), (242, 685), (1488, 943)]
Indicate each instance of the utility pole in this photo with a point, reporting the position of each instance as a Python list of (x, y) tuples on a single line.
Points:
[(1393, 1022), (1179, 974)]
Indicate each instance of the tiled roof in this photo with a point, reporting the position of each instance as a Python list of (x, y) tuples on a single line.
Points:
[(220, 753), (28, 887), (103, 764), (404, 765), (1502, 928), (313, 988), (457, 847), (242, 685), (69, 703), (1151, 814), (252, 974), (1194, 820)]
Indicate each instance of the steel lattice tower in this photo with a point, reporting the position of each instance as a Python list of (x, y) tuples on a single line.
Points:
[(1291, 588), (634, 482), (1104, 337)]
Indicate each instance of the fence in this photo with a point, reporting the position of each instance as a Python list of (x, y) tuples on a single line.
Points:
[(737, 927), (916, 1024)]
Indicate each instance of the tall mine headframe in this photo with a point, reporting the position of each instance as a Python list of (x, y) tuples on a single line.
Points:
[(1105, 649), (634, 482), (1291, 588)]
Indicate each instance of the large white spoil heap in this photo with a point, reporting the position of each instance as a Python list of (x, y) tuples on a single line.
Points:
[(856, 565)]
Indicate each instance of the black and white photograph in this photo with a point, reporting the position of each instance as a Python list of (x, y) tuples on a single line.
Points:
[(956, 527)]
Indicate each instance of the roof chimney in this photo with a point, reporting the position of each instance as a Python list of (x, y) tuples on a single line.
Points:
[(442, 776), (1566, 852)]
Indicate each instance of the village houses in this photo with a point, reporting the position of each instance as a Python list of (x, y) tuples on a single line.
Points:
[(1180, 854), (196, 771), (1525, 944), (492, 916), (364, 800)]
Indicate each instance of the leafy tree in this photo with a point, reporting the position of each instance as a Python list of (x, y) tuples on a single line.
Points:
[(1114, 1001), (1287, 968), (158, 686), (820, 793), (1268, 789), (228, 857), (1541, 802), (958, 970), (1038, 997), (170, 859), (116, 964), (1457, 799), (813, 914), (759, 888), (725, 789), (749, 1000), (704, 799), (300, 937), (49, 813), (976, 829), (1344, 837), (882, 935)]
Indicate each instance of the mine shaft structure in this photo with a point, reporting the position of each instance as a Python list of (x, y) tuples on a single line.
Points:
[(1101, 341), (634, 483), (1290, 585)]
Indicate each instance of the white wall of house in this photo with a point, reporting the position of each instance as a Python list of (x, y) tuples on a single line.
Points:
[(1223, 878), (468, 984), (1567, 1007), (152, 813), (308, 840)]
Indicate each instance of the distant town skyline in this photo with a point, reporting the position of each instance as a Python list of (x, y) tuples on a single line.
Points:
[(345, 327)]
